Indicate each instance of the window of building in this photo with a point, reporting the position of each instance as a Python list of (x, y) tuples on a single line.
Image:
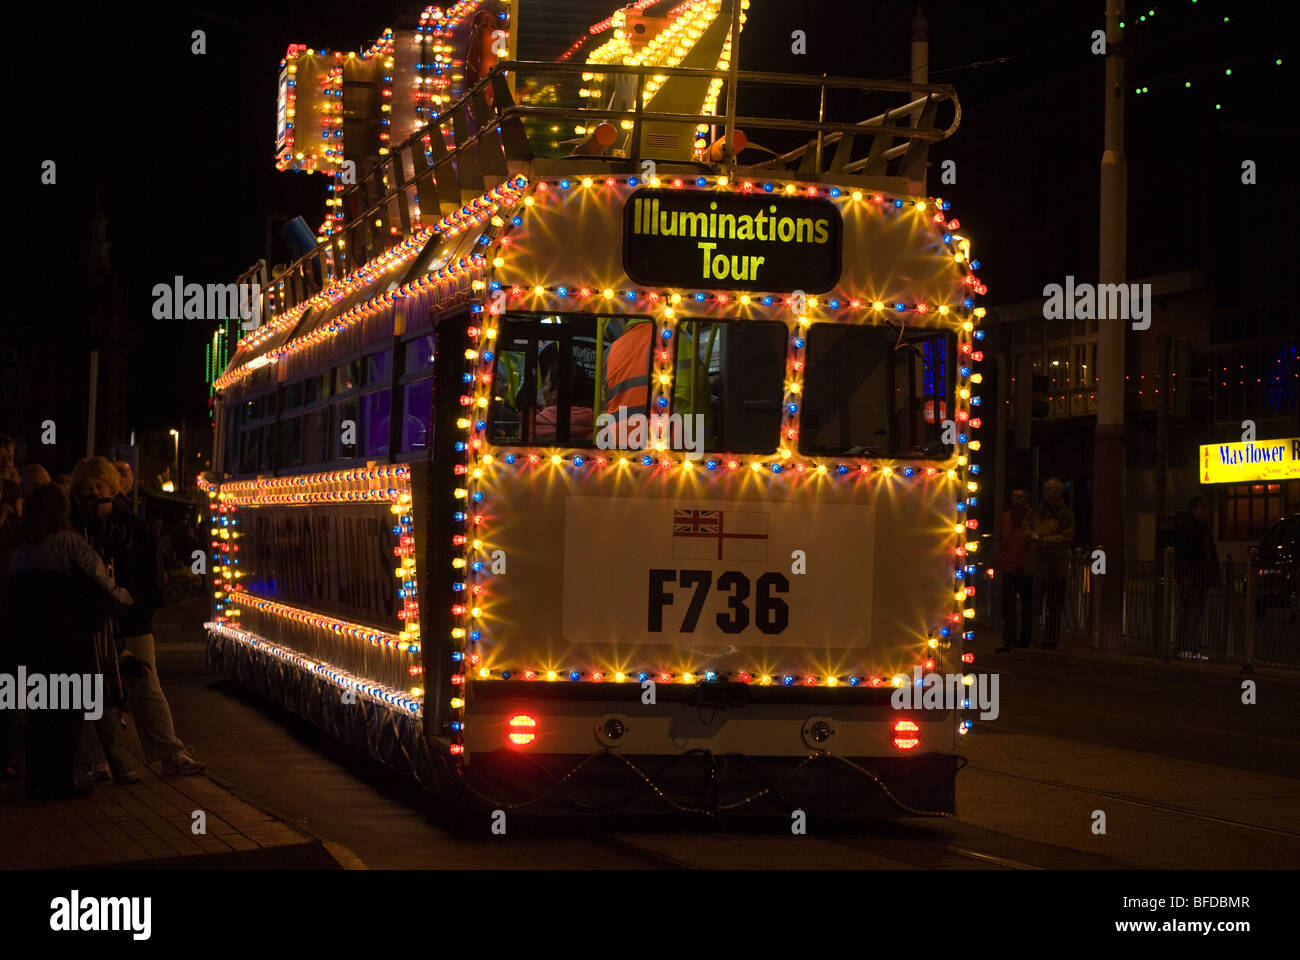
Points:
[(877, 391), (1247, 510)]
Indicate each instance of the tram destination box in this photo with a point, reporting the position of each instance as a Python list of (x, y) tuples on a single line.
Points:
[(748, 241)]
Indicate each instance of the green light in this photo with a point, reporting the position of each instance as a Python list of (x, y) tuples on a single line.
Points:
[(1143, 18), (1278, 61), (1151, 13), (1228, 72), (1225, 19), (1121, 24), (1187, 83), (1218, 106), (1146, 89)]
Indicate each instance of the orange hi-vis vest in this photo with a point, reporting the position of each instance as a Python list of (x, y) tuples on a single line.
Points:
[(627, 371)]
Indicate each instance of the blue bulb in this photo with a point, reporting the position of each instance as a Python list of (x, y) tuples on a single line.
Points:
[(909, 471), (574, 675), (467, 378), (900, 306), (510, 458), (478, 496), (841, 469), (480, 424), (563, 291), (947, 238), (647, 460), (961, 438), (484, 239), (835, 304), (792, 407), (631, 294), (965, 371), (476, 634), (457, 725), (662, 401), (946, 205), (776, 468), (643, 677), (974, 401), (700, 181), (564, 184), (477, 566), (711, 464), (668, 334), (854, 681), (458, 516), (516, 221), (699, 298), (974, 264), (505, 674), (979, 334), (710, 675), (974, 468), (943, 631), (457, 656), (960, 506), (968, 302), (960, 575), (767, 301), (631, 181), (898, 203), (489, 356), (767, 188), (835, 191), (460, 446), (787, 680), (799, 343), (577, 461), (495, 284), (968, 635)]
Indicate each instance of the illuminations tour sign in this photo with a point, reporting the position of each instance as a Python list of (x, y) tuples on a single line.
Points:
[(732, 241)]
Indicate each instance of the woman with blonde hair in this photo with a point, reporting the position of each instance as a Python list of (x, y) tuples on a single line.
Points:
[(124, 539)]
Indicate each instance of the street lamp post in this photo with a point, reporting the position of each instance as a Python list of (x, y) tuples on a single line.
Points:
[(176, 453)]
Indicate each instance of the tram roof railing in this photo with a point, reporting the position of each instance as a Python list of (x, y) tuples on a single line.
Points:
[(472, 146)]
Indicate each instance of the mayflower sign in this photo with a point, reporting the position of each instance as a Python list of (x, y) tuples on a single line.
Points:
[(1267, 460), (755, 241)]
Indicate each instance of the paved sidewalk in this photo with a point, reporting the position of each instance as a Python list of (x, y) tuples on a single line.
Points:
[(149, 825)]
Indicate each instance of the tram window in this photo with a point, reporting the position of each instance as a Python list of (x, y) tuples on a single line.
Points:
[(291, 442), (379, 366), (343, 412), (315, 436), (293, 395), (871, 392), (732, 374), (267, 447), (418, 403), (544, 383), (419, 353), (374, 422), (248, 448), (317, 388), (346, 376)]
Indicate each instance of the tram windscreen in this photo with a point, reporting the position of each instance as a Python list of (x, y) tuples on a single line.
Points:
[(731, 380), (877, 391), (544, 384)]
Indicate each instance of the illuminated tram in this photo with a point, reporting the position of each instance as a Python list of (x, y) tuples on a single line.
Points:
[(591, 484)]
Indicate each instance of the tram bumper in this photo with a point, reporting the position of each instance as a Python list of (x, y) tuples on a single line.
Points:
[(715, 750)]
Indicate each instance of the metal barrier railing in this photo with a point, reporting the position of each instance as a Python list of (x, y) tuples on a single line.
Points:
[(1246, 613)]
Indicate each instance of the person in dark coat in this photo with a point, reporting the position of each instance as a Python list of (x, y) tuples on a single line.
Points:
[(59, 595)]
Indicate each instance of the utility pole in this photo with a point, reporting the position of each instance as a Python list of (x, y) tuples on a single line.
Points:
[(920, 46), (1108, 452)]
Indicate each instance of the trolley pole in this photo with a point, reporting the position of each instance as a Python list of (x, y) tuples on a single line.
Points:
[(1109, 461), (733, 70)]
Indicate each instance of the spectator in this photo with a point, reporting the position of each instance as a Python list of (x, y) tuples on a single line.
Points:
[(31, 477), (58, 595), (126, 485), (94, 484), (64, 483), (127, 541), (11, 509), (580, 394), (1017, 586), (1049, 529), (7, 471), (1197, 568)]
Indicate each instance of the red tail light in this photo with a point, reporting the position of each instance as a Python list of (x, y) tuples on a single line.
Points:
[(522, 730), (907, 734)]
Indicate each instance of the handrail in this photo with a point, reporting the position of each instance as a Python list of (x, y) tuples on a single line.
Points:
[(497, 131)]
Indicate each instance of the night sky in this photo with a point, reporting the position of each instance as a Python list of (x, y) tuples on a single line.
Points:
[(180, 147)]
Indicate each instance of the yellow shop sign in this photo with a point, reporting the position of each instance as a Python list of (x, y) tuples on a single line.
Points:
[(1259, 460)]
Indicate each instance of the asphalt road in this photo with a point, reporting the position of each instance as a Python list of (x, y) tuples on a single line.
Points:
[(1186, 775)]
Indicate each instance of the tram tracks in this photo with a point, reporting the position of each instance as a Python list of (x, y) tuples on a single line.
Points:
[(1135, 801)]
